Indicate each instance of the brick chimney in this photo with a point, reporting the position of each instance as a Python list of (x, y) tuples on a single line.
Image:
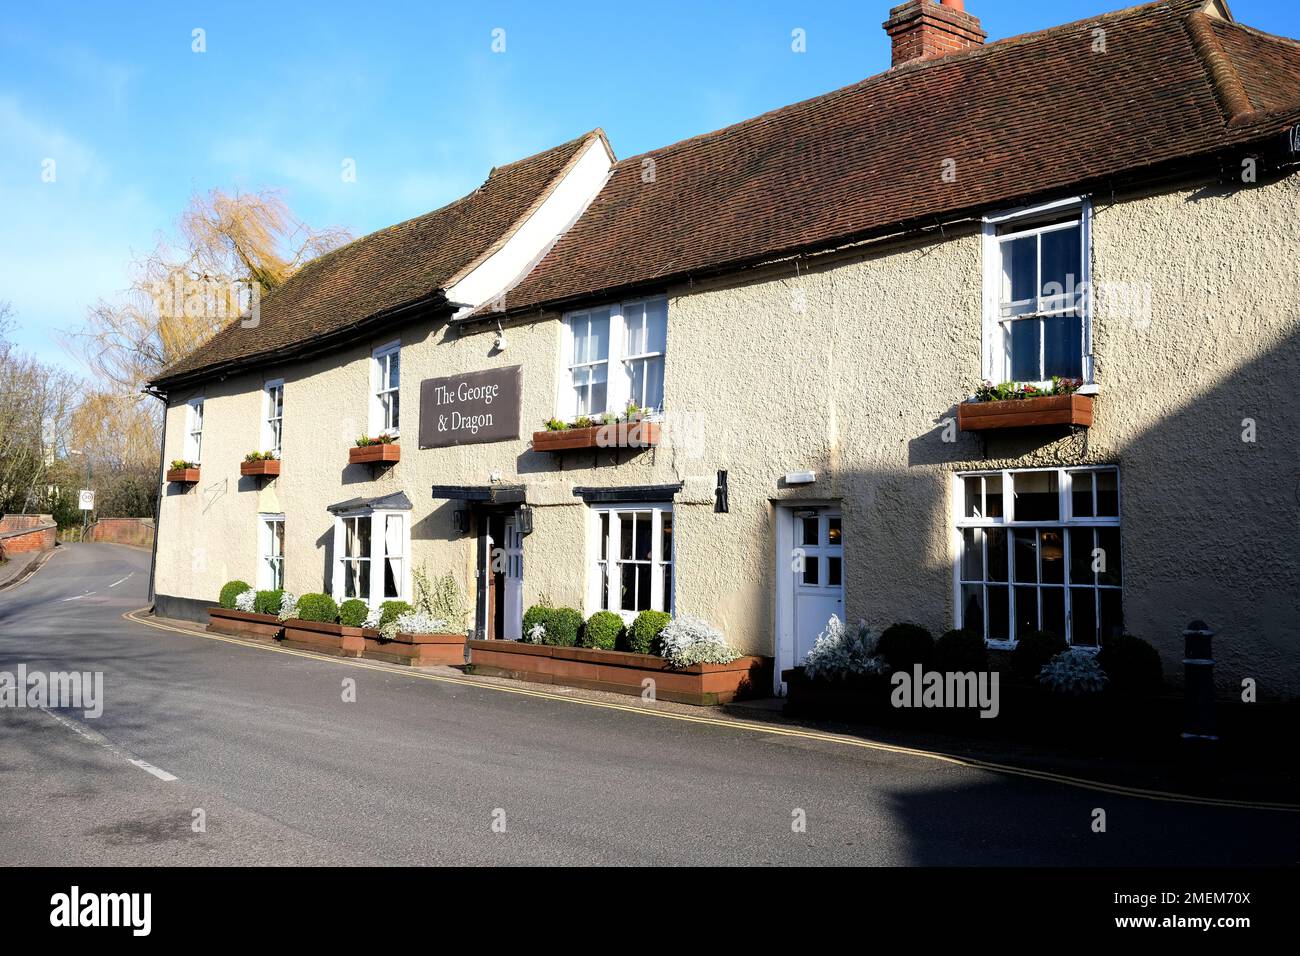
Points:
[(924, 30)]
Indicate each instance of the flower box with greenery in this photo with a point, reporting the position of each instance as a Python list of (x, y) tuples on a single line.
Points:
[(1046, 691), (693, 664), (261, 464), (381, 450), (633, 429), (243, 612), (429, 632), (183, 472), (1025, 406), (314, 626)]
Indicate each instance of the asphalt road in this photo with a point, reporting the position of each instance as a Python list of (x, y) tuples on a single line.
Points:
[(417, 771)]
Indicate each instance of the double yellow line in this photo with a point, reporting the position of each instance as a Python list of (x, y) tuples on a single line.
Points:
[(732, 724)]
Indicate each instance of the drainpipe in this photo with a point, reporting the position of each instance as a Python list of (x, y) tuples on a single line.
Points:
[(157, 505)]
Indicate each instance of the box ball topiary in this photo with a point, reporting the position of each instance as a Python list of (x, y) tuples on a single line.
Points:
[(602, 631), (1033, 651), (268, 602), (390, 611), (643, 636), (231, 590), (903, 645), (1132, 665), (562, 627), (353, 612), (318, 607), (537, 614), (961, 651)]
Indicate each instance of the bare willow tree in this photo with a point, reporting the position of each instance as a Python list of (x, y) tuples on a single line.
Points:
[(227, 248)]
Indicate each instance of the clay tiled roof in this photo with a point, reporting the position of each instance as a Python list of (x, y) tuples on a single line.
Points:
[(1020, 117), (388, 269)]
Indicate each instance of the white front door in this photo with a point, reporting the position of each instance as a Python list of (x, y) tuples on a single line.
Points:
[(818, 576), (513, 625)]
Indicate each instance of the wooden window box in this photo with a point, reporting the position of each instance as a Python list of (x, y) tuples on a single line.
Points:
[(622, 435), (266, 468), (375, 454), (183, 476), (1072, 409)]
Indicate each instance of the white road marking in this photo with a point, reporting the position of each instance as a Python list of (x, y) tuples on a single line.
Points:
[(116, 583), (100, 740), (78, 597)]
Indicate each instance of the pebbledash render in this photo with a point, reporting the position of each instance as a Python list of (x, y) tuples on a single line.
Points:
[(801, 302)]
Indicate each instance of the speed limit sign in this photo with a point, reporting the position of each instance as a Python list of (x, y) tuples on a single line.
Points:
[(87, 500)]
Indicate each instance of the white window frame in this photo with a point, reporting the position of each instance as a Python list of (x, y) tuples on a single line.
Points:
[(618, 387), (378, 554), (379, 387), (1066, 520), (610, 598), (269, 564), (272, 436), (996, 359), (194, 430)]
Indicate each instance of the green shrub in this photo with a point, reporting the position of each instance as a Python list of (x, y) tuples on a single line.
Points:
[(602, 631), (562, 626), (318, 607), (390, 611), (643, 636), (1033, 650), (903, 645), (268, 602), (231, 590), (961, 651), (1132, 665), (353, 612)]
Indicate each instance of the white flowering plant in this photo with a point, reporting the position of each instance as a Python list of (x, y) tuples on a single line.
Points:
[(689, 640), (288, 606), (245, 601), (536, 634), (412, 622), (1073, 672), (843, 651)]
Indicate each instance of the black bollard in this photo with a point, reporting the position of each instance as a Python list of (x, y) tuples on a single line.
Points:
[(1198, 683)]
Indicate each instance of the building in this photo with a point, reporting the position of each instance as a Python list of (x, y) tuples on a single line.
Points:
[(804, 301)]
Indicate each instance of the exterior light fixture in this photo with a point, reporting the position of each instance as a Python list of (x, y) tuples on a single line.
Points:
[(524, 521), (800, 477)]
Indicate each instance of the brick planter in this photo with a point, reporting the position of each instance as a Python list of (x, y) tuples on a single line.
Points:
[(621, 672), (624, 435), (183, 476), (1072, 409), (375, 454), (263, 468), (418, 650), (336, 639), (244, 624)]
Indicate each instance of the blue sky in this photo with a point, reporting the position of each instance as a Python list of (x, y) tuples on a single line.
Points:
[(412, 92)]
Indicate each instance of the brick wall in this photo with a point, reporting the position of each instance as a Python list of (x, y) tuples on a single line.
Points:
[(136, 532), (20, 534)]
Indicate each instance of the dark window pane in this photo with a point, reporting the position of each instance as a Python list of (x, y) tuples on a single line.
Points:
[(1081, 493), (809, 531), (627, 533), (1109, 569), (643, 572), (1063, 346), (604, 587), (1019, 274), (1062, 265), (1053, 610), (1051, 548), (834, 569), (1083, 617), (1026, 611), (1025, 366), (668, 589), (627, 599), (604, 535), (1081, 545), (834, 536), (993, 496), (811, 567), (667, 553), (999, 614), (644, 536), (1037, 497), (997, 548), (972, 554), (1026, 557), (972, 607), (1107, 494), (1112, 613), (973, 492)]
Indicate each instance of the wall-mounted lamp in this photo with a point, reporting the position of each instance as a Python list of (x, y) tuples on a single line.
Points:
[(721, 504), (500, 343), (460, 521), (524, 520), (800, 477)]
